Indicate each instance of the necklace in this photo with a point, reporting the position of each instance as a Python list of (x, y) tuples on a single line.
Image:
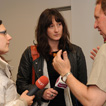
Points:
[(53, 53)]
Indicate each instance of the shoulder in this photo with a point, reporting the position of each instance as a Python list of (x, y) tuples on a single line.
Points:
[(103, 48), (76, 52), (28, 49), (101, 53), (76, 48), (4, 80)]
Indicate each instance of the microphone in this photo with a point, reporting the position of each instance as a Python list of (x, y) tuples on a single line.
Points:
[(39, 84), (59, 84)]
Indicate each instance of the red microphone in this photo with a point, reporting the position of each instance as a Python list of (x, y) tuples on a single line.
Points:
[(39, 84)]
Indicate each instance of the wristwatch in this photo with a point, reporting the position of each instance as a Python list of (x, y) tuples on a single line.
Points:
[(64, 78)]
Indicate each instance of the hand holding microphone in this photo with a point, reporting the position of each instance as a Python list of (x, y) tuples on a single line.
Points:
[(39, 84), (51, 93)]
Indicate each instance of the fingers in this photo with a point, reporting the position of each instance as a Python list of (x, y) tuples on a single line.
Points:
[(31, 100), (30, 103), (50, 94), (93, 54), (62, 66), (98, 47), (28, 99), (92, 57), (33, 97), (26, 91), (59, 54), (95, 50), (65, 57), (57, 57)]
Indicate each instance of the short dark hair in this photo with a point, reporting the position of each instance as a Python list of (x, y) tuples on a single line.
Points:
[(98, 1), (103, 5), (0, 22)]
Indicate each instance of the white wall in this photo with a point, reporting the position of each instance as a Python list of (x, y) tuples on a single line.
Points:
[(83, 32), (20, 18)]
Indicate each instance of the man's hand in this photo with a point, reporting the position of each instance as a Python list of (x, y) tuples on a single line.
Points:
[(94, 52), (62, 66)]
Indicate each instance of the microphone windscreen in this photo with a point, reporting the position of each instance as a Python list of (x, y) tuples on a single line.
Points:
[(42, 82)]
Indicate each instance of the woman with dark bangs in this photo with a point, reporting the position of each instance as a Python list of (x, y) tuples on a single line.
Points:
[(51, 35)]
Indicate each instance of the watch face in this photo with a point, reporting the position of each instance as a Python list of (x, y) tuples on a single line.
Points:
[(64, 78)]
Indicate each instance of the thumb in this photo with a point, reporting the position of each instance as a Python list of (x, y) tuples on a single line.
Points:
[(65, 57), (26, 91), (59, 53)]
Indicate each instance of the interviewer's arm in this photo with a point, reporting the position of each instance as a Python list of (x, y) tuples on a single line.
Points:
[(87, 95)]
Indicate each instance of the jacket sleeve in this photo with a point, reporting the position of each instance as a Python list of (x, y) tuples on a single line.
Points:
[(24, 79), (2, 95), (81, 66), (13, 102), (78, 68), (24, 76), (18, 102)]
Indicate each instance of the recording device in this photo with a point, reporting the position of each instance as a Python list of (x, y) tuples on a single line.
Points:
[(39, 84), (59, 84)]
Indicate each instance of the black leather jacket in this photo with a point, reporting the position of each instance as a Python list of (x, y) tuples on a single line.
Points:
[(24, 76)]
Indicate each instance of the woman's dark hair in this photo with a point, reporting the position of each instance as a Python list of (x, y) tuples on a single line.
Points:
[(0, 22), (45, 20)]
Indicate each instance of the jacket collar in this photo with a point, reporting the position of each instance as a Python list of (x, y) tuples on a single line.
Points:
[(5, 67)]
